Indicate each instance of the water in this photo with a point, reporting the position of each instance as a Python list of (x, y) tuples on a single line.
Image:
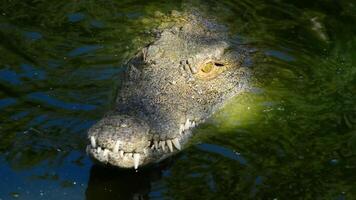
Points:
[(293, 136)]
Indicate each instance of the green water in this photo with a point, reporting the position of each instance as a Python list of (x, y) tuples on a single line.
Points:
[(292, 136)]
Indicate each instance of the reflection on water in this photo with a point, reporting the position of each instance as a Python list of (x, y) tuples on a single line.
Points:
[(292, 136), (107, 183)]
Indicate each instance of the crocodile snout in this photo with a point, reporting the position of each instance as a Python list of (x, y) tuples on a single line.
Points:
[(127, 141), (121, 136)]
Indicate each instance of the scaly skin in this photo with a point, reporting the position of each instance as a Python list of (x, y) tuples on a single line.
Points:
[(171, 86)]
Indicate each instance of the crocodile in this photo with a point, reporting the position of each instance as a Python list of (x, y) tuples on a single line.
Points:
[(170, 86)]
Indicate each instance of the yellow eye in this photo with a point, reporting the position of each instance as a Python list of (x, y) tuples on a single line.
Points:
[(207, 67), (210, 70)]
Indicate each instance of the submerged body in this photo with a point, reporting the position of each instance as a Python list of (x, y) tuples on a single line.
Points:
[(171, 86)]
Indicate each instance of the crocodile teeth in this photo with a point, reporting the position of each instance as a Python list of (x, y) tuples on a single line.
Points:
[(176, 143), (121, 153), (169, 144), (92, 141), (187, 124), (116, 147), (192, 125), (98, 149), (163, 144), (155, 142), (181, 129), (128, 155), (136, 158)]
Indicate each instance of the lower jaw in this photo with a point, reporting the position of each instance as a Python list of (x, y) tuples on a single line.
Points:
[(153, 154), (128, 159)]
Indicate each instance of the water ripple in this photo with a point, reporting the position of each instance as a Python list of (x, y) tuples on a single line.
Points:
[(33, 35), (30, 72), (223, 151), (7, 102), (83, 50), (10, 77), (50, 100), (76, 17)]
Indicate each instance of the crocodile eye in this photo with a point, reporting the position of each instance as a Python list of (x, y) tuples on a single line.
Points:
[(210, 70), (209, 66)]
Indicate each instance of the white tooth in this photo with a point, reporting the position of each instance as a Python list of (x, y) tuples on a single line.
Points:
[(129, 155), (187, 124), (192, 125), (116, 147), (121, 153), (176, 143), (155, 142), (163, 145), (98, 149), (92, 141), (136, 158), (181, 129), (169, 144)]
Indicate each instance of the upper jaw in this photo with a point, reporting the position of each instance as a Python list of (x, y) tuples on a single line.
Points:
[(156, 149)]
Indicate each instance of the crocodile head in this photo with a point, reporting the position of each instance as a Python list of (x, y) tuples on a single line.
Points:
[(171, 86)]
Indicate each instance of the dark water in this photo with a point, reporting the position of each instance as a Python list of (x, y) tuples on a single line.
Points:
[(293, 136)]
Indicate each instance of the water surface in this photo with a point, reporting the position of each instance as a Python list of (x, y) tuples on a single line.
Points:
[(292, 136)]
